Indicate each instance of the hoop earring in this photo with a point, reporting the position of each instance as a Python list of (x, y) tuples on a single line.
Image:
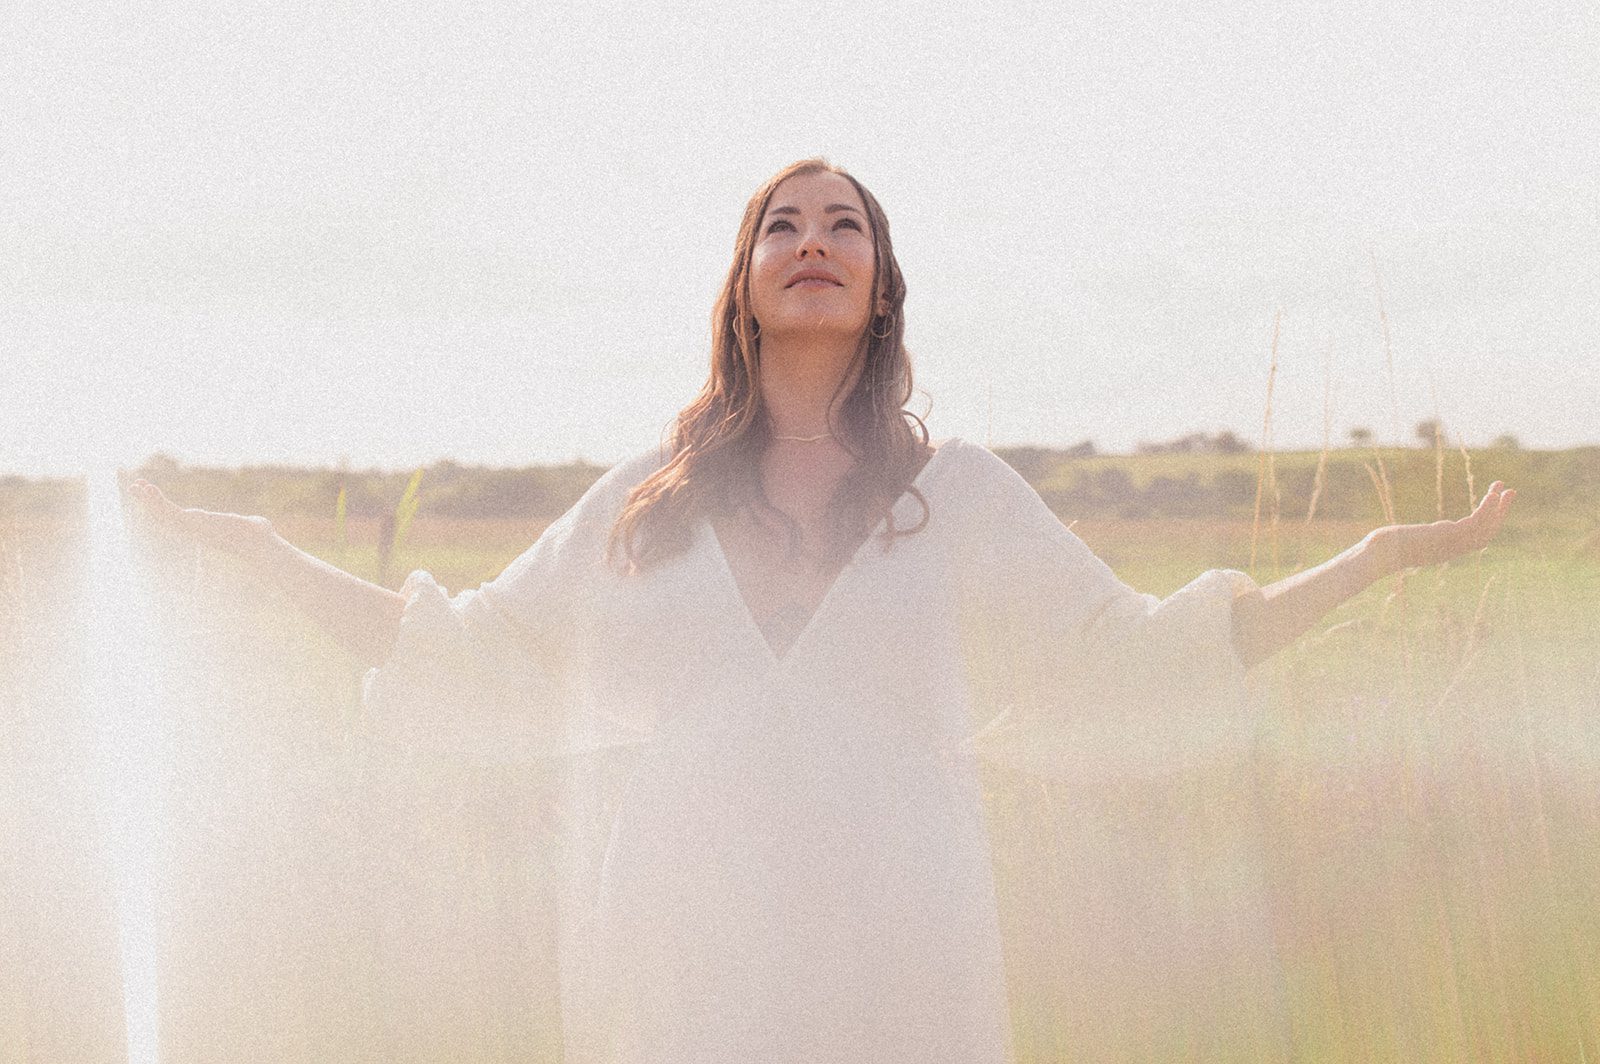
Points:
[(888, 322)]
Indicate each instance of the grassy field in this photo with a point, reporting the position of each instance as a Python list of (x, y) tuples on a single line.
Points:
[(1403, 869), (1427, 783)]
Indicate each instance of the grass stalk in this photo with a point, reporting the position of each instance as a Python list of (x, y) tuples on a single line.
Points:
[(1438, 467), (341, 538), (1319, 480), (1265, 469), (1379, 475), (1388, 351), (391, 534)]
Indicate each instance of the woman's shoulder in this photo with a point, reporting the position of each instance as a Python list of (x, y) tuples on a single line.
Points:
[(612, 488), (591, 517), (975, 466), (634, 469), (574, 544), (982, 495)]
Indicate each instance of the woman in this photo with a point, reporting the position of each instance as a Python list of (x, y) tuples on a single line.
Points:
[(769, 642)]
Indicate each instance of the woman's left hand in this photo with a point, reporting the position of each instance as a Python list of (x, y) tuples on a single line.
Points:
[(1409, 546)]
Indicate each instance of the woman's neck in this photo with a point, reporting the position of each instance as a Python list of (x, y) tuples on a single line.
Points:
[(800, 383)]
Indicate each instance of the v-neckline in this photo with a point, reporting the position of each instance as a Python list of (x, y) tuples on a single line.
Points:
[(774, 659)]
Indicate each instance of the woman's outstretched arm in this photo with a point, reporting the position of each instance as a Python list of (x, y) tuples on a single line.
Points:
[(362, 617), (1268, 620)]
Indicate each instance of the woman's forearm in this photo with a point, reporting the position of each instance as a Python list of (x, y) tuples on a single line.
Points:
[(1269, 620), (1266, 621), (362, 617)]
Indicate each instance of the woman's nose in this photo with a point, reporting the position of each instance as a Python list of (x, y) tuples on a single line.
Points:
[(813, 245)]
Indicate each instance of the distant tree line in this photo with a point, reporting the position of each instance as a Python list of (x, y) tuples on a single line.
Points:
[(448, 489), (1199, 475), (1199, 484), (1224, 442)]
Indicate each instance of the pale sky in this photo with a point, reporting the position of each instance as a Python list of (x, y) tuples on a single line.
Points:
[(392, 233)]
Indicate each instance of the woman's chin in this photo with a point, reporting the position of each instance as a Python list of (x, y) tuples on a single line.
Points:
[(802, 328)]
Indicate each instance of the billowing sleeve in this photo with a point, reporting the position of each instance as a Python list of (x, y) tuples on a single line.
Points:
[(487, 672), (1073, 672)]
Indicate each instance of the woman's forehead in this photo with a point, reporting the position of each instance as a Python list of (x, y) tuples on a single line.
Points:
[(816, 189)]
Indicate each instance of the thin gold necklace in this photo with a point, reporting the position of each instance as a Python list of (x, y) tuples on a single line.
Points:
[(806, 439)]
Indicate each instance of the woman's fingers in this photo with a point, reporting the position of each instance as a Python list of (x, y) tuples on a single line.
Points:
[(231, 533), (169, 517), (153, 502), (1490, 500), (1502, 507), (1483, 524), (156, 500)]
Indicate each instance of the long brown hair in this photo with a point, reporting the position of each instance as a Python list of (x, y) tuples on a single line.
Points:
[(718, 439)]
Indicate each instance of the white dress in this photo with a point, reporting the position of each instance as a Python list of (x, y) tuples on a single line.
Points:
[(786, 859)]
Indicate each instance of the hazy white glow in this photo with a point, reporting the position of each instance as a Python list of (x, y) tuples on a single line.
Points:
[(123, 696)]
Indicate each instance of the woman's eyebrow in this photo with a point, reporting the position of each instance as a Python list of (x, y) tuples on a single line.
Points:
[(829, 209)]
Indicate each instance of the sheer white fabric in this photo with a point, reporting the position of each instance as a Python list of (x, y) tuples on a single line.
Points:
[(1075, 674), (786, 858)]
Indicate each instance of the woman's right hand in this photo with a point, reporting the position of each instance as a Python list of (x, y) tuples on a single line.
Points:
[(231, 533), (363, 617)]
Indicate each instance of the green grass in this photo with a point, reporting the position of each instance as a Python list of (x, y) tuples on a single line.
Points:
[(1413, 845), (1419, 832)]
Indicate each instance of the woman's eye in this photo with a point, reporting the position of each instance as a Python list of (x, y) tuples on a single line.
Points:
[(851, 222), (773, 226)]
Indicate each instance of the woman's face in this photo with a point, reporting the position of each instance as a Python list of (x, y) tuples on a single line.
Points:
[(812, 266)]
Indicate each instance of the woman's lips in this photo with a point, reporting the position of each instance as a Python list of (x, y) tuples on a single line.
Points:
[(814, 274)]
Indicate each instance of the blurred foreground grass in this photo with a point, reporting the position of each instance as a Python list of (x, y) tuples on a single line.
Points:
[(1419, 831), (1406, 869)]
